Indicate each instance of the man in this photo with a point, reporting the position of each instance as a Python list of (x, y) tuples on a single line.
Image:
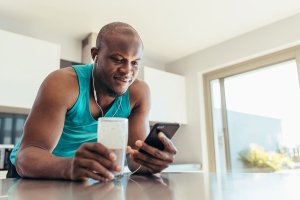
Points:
[(59, 140)]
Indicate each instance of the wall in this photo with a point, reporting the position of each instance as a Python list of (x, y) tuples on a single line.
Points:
[(268, 39), (146, 61), (149, 63), (70, 47)]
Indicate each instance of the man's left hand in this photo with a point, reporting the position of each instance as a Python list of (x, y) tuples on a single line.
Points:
[(157, 160)]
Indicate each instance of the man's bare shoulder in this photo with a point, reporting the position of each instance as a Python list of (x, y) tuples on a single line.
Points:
[(61, 84), (138, 88), (61, 79), (139, 91)]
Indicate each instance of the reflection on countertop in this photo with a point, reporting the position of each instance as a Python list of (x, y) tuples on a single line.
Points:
[(196, 185), (128, 187)]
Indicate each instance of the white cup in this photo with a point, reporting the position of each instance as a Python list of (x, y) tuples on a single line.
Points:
[(113, 134)]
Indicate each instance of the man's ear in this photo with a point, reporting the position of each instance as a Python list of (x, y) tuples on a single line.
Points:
[(94, 53)]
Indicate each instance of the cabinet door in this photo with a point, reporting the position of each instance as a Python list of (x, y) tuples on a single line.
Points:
[(168, 96), (25, 62)]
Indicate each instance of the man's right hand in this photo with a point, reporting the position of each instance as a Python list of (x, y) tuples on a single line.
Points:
[(93, 160)]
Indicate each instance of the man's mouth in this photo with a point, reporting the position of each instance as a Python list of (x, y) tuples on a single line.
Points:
[(123, 79)]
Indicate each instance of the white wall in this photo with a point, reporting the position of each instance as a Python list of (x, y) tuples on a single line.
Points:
[(192, 139), (149, 63), (70, 47), (146, 61)]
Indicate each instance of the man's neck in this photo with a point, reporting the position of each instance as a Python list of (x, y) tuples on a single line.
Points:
[(104, 99)]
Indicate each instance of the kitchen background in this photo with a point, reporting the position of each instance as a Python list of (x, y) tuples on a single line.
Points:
[(183, 42)]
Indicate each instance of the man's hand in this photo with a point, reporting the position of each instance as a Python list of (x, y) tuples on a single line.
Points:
[(93, 160), (157, 160)]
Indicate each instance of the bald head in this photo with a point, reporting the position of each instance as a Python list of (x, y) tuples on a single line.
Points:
[(115, 28)]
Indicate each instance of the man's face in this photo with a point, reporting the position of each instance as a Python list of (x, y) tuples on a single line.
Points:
[(118, 62)]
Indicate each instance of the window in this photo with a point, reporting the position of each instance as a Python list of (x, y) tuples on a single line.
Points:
[(255, 109)]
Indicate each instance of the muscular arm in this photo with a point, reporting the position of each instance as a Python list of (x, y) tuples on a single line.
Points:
[(139, 118), (44, 126), (43, 129), (156, 160)]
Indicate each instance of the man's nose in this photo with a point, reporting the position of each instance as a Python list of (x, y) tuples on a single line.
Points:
[(126, 68)]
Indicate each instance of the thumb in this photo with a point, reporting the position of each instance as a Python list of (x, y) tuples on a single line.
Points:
[(129, 150)]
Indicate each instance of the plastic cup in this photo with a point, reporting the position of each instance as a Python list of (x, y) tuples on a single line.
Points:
[(113, 133)]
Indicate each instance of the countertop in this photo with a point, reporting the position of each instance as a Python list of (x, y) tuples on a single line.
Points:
[(167, 185), (170, 168)]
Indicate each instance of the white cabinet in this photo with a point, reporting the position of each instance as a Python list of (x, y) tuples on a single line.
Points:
[(24, 63), (168, 96)]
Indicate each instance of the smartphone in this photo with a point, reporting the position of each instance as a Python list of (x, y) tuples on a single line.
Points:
[(169, 129)]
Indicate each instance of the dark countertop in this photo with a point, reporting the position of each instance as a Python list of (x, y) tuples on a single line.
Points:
[(181, 186)]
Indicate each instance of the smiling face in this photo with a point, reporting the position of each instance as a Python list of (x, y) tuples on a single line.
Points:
[(117, 62)]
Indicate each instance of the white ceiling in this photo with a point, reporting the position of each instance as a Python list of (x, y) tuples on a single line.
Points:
[(170, 29)]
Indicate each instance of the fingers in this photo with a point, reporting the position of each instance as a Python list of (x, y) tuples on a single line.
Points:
[(156, 160), (165, 156), (92, 169), (151, 166), (151, 159), (87, 174), (129, 150), (169, 146), (100, 149), (94, 160), (102, 160)]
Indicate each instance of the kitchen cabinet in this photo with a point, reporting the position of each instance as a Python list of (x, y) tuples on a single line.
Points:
[(168, 95), (25, 62)]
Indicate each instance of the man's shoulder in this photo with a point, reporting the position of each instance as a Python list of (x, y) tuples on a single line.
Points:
[(139, 91), (61, 84), (61, 78), (63, 74), (138, 86)]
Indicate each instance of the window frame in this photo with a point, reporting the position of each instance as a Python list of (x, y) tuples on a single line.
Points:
[(221, 74)]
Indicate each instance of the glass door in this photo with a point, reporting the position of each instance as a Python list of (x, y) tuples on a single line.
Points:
[(256, 119)]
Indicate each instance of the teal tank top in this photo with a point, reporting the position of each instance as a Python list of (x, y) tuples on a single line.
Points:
[(79, 125)]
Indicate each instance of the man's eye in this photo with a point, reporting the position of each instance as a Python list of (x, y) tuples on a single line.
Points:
[(117, 60), (135, 63)]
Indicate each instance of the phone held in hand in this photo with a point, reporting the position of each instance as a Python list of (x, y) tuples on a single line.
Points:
[(169, 129)]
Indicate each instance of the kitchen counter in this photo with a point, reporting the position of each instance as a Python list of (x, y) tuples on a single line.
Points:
[(169, 185)]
